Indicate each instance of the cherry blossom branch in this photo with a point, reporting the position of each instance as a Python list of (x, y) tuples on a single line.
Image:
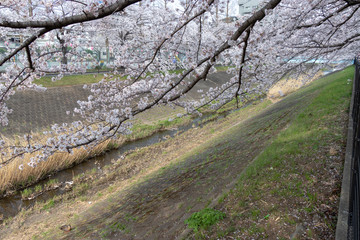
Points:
[(337, 27), (157, 50), (352, 2), (199, 43), (343, 43), (258, 16), (86, 17), (24, 44), (325, 18), (75, 1), (348, 17), (165, 95), (246, 38), (57, 24), (12, 84), (28, 54)]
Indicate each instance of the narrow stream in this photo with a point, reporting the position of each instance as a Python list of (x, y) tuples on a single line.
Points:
[(11, 205)]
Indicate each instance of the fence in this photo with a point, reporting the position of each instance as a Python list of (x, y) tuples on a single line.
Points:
[(354, 211)]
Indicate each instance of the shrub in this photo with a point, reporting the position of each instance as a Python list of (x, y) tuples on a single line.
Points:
[(204, 219)]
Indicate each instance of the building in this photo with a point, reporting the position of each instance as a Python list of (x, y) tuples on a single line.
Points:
[(247, 6)]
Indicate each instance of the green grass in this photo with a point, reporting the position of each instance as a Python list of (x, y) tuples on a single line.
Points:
[(204, 219), (26, 192), (144, 130), (309, 131), (42, 236), (49, 204), (69, 80), (81, 188), (114, 227), (306, 129), (222, 68), (51, 183), (38, 188), (91, 171), (102, 69)]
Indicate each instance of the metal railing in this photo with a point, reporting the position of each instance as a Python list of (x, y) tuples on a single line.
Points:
[(354, 211)]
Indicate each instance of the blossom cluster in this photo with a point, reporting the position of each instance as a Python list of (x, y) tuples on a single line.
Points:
[(159, 55)]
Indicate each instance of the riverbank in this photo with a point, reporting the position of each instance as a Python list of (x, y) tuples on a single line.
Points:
[(125, 172), (35, 112), (151, 192)]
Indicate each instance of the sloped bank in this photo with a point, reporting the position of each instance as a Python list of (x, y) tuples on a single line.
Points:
[(157, 206), (292, 189), (172, 183), (121, 174)]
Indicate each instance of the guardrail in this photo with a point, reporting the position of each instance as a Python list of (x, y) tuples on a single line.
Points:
[(348, 224), (354, 210)]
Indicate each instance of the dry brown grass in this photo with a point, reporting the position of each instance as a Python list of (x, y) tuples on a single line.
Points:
[(12, 178), (288, 85)]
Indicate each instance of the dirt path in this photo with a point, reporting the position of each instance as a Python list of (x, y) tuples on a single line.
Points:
[(157, 207)]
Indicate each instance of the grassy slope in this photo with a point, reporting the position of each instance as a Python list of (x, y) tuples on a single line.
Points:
[(70, 80), (221, 152), (94, 189), (271, 181), (293, 187)]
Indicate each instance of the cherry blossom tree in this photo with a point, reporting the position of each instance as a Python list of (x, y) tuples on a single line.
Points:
[(277, 38)]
